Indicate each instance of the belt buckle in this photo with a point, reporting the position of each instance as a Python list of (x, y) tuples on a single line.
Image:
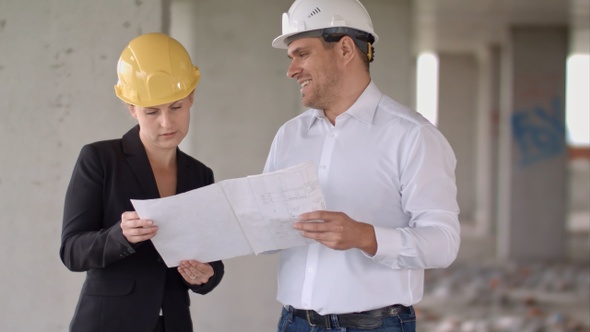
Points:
[(308, 318), (394, 310)]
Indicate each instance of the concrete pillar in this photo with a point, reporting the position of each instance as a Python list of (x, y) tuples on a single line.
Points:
[(394, 68), (486, 151), (532, 177), (58, 63), (457, 119)]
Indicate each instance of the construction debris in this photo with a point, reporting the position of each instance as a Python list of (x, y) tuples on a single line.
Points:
[(479, 297)]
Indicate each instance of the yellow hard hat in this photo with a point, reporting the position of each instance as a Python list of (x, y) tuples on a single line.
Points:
[(155, 69)]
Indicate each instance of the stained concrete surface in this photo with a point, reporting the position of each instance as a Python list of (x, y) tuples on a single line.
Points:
[(479, 294)]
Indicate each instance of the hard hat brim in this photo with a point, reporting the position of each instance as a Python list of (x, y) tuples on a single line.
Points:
[(280, 42)]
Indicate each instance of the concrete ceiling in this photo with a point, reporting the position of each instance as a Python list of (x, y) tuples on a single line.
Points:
[(459, 25)]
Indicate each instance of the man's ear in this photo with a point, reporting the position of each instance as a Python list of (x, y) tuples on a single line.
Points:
[(347, 48)]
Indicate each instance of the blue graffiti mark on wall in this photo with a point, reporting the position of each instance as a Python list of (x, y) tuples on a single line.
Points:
[(539, 132)]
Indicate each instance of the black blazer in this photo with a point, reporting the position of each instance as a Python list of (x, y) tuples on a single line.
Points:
[(126, 285)]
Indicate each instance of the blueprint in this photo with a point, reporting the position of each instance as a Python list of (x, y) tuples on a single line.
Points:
[(234, 217)]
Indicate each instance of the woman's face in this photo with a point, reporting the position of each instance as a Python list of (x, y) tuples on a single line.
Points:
[(163, 126)]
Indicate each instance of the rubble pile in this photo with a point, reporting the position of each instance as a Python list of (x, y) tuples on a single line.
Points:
[(479, 297)]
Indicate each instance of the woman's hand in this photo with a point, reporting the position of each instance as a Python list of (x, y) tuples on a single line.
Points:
[(137, 230), (194, 272)]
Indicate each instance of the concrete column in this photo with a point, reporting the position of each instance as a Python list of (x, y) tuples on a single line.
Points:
[(486, 153), (532, 177), (457, 120), (58, 62), (394, 68)]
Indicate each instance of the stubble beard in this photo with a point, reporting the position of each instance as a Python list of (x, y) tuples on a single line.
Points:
[(323, 95)]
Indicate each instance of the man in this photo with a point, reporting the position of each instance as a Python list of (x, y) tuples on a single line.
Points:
[(386, 172)]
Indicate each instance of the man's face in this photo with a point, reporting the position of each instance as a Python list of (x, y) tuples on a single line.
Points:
[(163, 126), (316, 70)]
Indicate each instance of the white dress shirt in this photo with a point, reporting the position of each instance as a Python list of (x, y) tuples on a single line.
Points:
[(382, 164)]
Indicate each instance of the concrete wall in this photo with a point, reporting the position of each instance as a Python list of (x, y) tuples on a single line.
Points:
[(457, 120), (533, 176), (57, 71)]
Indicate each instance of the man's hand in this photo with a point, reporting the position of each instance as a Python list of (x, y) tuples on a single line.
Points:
[(338, 231)]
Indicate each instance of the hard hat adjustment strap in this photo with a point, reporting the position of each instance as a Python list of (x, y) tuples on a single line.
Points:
[(363, 40)]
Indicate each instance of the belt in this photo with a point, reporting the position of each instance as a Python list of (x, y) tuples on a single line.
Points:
[(370, 319)]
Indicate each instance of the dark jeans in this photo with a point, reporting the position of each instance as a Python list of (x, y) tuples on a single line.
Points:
[(401, 323)]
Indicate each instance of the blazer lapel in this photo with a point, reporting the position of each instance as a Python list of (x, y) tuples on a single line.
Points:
[(183, 182), (139, 163)]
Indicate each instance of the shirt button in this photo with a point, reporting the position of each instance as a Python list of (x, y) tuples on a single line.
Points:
[(309, 269), (323, 167)]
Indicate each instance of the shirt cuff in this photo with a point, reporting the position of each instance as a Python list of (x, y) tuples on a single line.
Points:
[(389, 244)]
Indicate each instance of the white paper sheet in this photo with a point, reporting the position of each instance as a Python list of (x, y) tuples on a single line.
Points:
[(234, 217)]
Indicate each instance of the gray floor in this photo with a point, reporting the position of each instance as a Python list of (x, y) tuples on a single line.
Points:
[(477, 294)]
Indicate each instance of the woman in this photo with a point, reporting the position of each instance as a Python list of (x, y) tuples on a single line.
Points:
[(128, 286)]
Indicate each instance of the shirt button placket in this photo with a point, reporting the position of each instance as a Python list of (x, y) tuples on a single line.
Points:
[(327, 151)]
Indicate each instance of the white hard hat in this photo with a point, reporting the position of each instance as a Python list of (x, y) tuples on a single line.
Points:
[(310, 15)]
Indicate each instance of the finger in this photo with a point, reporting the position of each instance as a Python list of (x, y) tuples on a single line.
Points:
[(139, 230), (145, 224), (193, 263), (191, 276), (147, 230), (323, 238), (205, 269), (129, 215), (311, 226), (138, 234), (198, 267), (128, 223), (187, 267), (193, 267), (184, 272), (139, 224), (314, 215)]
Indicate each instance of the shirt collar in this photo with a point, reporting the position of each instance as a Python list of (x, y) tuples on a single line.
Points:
[(363, 109), (316, 115)]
